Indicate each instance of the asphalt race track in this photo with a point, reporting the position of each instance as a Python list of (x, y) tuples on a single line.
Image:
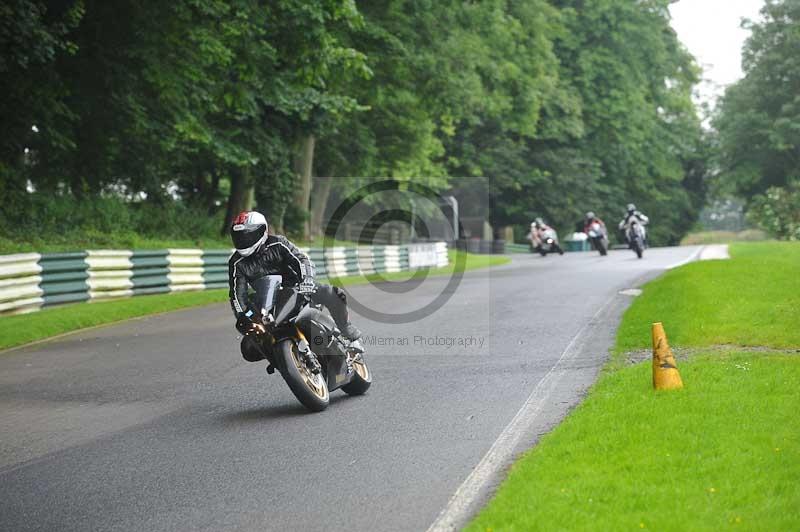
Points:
[(158, 424)]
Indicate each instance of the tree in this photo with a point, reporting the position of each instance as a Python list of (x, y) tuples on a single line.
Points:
[(758, 119), (33, 36)]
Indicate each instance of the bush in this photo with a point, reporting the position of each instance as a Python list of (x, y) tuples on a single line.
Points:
[(778, 211), (41, 222)]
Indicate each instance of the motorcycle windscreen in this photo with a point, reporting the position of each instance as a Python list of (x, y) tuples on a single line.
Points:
[(287, 306), (267, 288)]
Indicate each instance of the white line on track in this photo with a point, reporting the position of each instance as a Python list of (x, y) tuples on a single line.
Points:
[(459, 508), (691, 258)]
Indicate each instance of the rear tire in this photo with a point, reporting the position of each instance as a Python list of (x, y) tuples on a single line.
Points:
[(310, 389), (362, 379)]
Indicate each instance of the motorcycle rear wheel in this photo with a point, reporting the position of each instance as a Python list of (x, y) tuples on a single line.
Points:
[(362, 379), (309, 388)]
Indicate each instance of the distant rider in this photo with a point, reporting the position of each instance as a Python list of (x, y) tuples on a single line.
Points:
[(633, 214), (258, 254), (591, 218), (539, 231)]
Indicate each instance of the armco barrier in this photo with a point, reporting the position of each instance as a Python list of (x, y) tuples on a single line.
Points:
[(30, 281), (19, 283)]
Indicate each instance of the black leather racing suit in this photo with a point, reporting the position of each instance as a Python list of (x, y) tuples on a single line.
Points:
[(278, 256)]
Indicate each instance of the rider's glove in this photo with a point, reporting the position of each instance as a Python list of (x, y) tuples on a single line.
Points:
[(244, 322), (306, 286)]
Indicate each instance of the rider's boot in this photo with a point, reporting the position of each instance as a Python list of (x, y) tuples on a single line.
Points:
[(351, 332)]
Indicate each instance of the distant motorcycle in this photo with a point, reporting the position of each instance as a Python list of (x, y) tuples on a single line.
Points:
[(548, 244), (598, 237), (635, 236), (285, 327)]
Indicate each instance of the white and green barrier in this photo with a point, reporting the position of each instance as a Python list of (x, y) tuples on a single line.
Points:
[(30, 281)]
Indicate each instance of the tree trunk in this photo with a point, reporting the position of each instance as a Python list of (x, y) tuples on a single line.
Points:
[(211, 193), (319, 201), (276, 220), (303, 165), (241, 196)]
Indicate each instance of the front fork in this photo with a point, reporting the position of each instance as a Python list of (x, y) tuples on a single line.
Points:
[(353, 351)]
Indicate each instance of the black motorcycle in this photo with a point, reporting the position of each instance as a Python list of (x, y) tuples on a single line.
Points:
[(303, 344)]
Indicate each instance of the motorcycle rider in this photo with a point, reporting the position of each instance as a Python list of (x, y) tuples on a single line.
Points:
[(258, 254), (539, 231), (633, 214), (589, 219)]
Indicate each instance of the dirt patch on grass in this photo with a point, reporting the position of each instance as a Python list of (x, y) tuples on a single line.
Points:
[(641, 355)]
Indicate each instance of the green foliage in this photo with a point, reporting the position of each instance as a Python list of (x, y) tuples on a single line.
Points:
[(758, 119), (33, 36), (777, 211), (47, 222), (642, 140), (560, 105)]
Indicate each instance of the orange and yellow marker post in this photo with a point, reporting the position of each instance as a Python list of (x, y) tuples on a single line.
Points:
[(665, 371)]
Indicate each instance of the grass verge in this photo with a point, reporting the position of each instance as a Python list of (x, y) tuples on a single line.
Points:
[(723, 237), (723, 452), (25, 328), (751, 300)]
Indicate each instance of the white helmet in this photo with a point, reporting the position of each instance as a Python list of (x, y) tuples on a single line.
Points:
[(248, 232)]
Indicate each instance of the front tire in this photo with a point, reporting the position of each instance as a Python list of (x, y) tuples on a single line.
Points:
[(309, 388), (362, 379), (638, 248)]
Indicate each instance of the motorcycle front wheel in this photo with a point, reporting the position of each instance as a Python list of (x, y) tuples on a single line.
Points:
[(638, 247), (309, 388), (362, 379)]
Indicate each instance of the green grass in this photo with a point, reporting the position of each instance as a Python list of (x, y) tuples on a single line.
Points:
[(751, 300), (25, 328), (723, 237), (723, 452)]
